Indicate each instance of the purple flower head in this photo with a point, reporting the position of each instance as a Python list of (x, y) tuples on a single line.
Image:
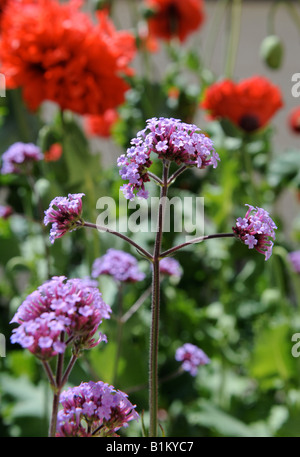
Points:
[(18, 155), (118, 264), (294, 258), (94, 409), (256, 230), (169, 139), (170, 267), (192, 357), (64, 213), (5, 211), (41, 336), (71, 306)]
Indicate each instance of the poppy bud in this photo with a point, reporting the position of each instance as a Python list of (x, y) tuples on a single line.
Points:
[(271, 51)]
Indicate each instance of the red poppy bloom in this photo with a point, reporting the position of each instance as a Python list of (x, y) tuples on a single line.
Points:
[(294, 120), (101, 125), (55, 52), (175, 18), (53, 153), (249, 104), (2, 6)]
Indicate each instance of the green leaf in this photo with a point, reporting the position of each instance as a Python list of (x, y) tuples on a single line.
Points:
[(284, 169), (209, 415), (271, 360)]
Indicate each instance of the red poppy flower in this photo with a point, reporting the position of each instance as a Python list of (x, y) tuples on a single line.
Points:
[(55, 52), (2, 6), (101, 125), (53, 153), (294, 120), (249, 104), (175, 18)]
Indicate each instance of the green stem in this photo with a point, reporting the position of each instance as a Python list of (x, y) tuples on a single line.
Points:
[(19, 115), (233, 42), (214, 30), (247, 165), (155, 309), (292, 11), (32, 184), (119, 334)]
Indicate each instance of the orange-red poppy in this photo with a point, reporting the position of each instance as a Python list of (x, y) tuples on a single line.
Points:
[(101, 125), (175, 18), (55, 52), (294, 120), (54, 153), (249, 104)]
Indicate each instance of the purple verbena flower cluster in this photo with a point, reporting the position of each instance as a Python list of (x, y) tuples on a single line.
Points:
[(121, 265), (170, 139), (192, 357), (5, 211), (60, 308), (94, 409), (294, 258), (256, 229), (64, 213), (170, 267), (19, 154)]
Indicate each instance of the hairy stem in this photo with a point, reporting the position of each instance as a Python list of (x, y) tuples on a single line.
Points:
[(176, 174), (57, 390), (68, 369), (136, 305), (194, 241), (154, 333), (119, 333), (39, 203), (120, 235)]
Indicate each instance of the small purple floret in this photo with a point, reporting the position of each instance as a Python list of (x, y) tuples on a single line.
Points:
[(170, 267), (17, 155), (256, 230), (121, 265), (64, 213), (5, 211), (192, 357), (294, 258)]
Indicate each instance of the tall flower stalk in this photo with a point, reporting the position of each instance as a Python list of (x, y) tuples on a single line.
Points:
[(154, 335)]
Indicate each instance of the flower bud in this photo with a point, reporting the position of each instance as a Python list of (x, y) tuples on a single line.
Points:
[(271, 51)]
